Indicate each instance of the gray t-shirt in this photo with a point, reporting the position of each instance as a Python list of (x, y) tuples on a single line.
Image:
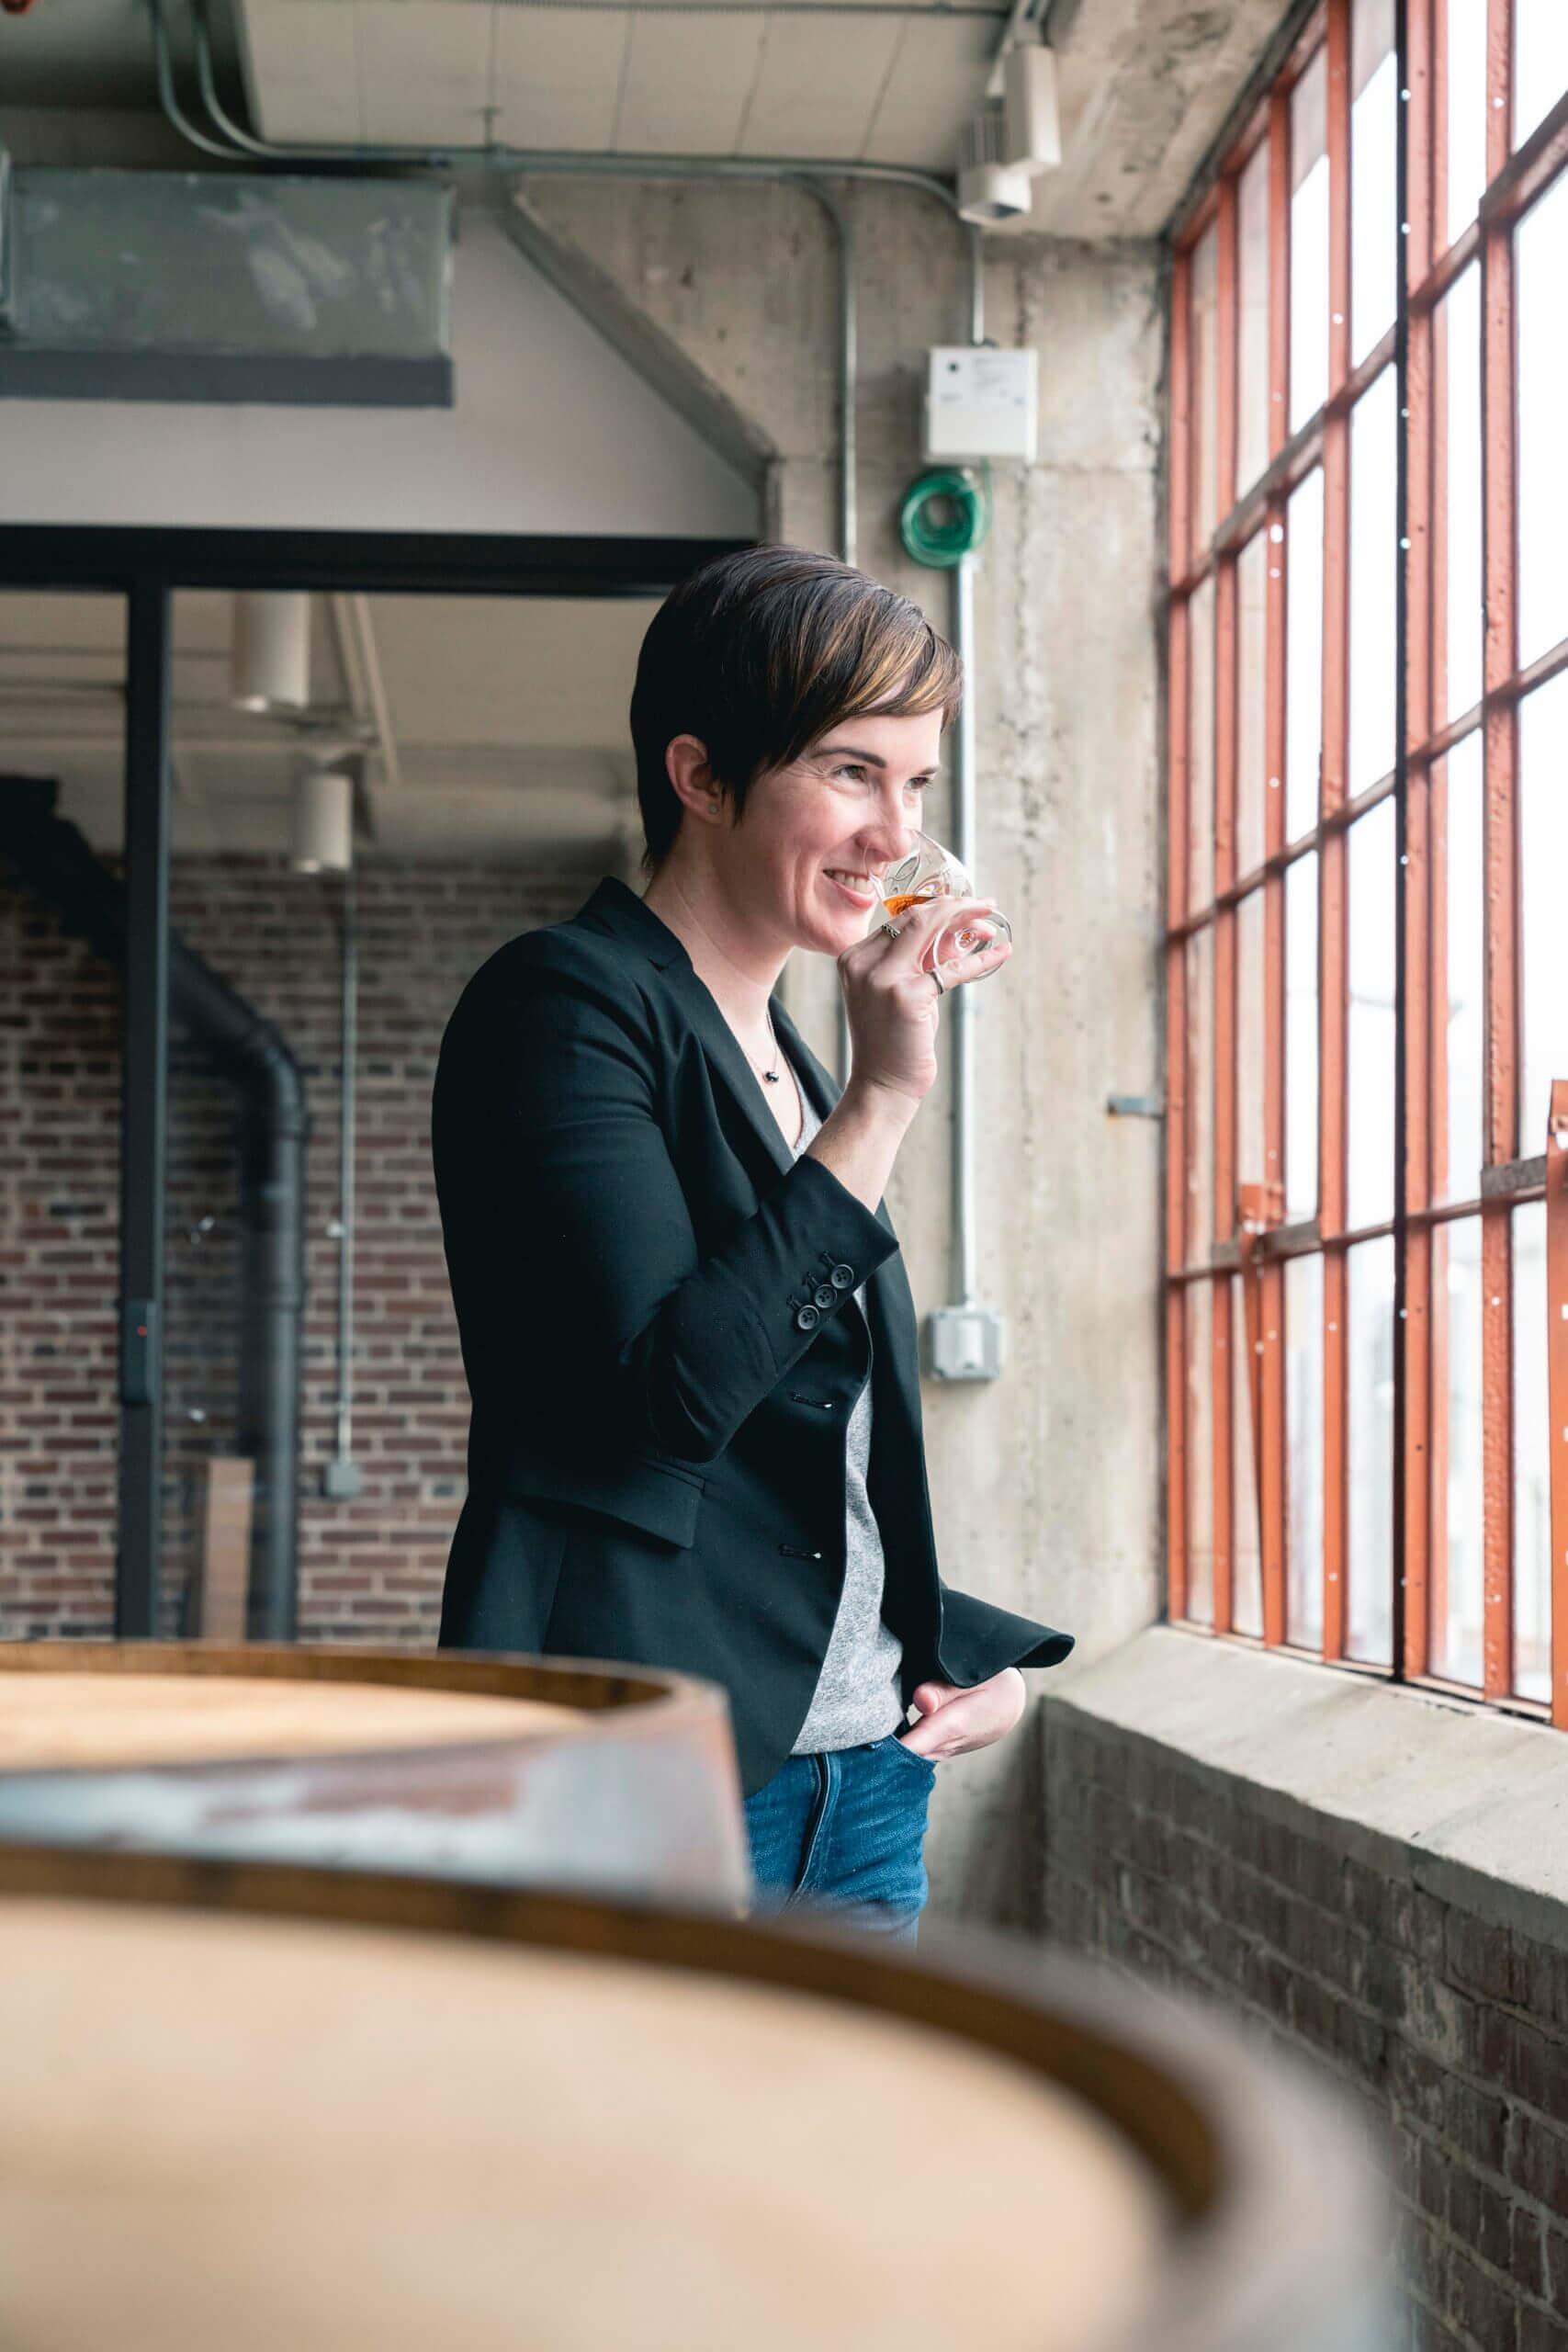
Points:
[(858, 1695)]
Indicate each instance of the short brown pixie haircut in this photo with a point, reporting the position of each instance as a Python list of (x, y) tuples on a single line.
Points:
[(758, 654)]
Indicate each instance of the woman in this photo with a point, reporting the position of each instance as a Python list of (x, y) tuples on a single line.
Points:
[(687, 1331)]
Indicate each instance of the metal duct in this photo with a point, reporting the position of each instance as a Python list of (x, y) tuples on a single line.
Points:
[(201, 285), (60, 868)]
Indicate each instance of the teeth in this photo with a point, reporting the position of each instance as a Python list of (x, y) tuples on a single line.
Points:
[(856, 881)]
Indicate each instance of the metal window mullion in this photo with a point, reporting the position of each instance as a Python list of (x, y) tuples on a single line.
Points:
[(1226, 1075), (1500, 772), (1266, 1388), (1419, 1038), (1178, 1140), (1333, 868), (1557, 1387)]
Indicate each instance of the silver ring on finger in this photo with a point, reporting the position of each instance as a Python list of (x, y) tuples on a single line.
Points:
[(941, 984), (890, 931)]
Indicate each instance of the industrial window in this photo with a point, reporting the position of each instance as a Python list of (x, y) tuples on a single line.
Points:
[(1367, 943)]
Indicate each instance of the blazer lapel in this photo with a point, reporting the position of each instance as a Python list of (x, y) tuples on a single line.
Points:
[(615, 908)]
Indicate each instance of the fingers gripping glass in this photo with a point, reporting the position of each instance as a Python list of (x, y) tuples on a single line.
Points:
[(929, 871)]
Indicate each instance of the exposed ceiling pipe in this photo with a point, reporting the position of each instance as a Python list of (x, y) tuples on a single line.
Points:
[(242, 144)]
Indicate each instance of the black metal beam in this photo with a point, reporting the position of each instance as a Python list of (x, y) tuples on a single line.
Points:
[(381, 563), (144, 1108)]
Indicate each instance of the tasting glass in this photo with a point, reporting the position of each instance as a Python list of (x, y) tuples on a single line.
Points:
[(929, 871)]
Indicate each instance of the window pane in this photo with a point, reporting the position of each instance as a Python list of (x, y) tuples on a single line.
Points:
[(1304, 656), (1369, 1411), (1205, 388), (1540, 61), (1374, 216), (1459, 1142), (1200, 1094), (1374, 557), (1458, 202), (1543, 249), (1201, 748), (1303, 1451), (1543, 866), (1252, 584), (1247, 1575), (1252, 325), (1532, 1483), (1455, 1568), (1309, 242), (1300, 1037), (1369, 1118), (1250, 1036), (1459, 620), (1199, 1454)]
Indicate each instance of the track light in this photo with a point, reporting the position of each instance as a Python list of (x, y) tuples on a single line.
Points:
[(271, 651), (323, 816), (1032, 120), (988, 191)]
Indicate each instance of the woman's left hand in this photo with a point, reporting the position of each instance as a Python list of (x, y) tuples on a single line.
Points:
[(955, 1719)]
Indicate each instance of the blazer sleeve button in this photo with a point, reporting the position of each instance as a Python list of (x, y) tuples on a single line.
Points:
[(807, 1319), (842, 1277), (825, 1295)]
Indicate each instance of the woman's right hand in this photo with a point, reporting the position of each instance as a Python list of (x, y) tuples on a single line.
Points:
[(893, 1003)]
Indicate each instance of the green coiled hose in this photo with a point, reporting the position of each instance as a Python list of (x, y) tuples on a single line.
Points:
[(943, 541)]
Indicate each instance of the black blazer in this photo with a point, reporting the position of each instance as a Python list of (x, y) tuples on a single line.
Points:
[(654, 1299)]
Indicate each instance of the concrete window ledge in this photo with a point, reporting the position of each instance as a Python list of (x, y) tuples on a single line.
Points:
[(1471, 1806)]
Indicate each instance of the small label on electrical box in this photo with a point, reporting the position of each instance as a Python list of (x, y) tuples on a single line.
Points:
[(964, 1342), (981, 403)]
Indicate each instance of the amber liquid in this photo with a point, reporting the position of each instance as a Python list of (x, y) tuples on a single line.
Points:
[(903, 899)]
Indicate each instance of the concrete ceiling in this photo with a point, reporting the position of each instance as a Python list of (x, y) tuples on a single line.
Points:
[(1145, 84), (711, 79), (502, 734)]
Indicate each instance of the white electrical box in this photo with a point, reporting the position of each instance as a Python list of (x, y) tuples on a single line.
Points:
[(981, 403), (965, 1342)]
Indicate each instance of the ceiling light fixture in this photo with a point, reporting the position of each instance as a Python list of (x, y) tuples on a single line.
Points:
[(270, 653), (988, 191), (322, 831), (1032, 118)]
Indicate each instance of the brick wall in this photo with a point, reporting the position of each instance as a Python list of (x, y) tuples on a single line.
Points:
[(1449, 2032), (370, 1569)]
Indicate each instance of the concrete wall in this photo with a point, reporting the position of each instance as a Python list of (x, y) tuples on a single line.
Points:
[(1045, 1485)]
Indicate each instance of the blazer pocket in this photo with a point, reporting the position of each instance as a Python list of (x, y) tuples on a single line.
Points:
[(661, 1499)]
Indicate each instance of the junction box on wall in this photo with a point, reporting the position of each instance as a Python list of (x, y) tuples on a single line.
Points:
[(981, 402)]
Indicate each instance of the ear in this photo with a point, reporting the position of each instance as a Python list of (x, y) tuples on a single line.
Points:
[(691, 779)]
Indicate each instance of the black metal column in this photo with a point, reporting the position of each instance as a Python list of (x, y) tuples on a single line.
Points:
[(144, 1108)]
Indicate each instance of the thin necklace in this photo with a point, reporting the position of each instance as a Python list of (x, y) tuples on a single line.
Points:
[(774, 1076)]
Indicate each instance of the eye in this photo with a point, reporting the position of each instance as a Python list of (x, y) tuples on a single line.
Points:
[(854, 769)]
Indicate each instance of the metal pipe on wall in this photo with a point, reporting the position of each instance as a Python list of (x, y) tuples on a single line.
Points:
[(965, 736)]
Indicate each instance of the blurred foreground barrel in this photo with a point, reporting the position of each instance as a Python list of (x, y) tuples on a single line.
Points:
[(504, 1769), (328, 2112)]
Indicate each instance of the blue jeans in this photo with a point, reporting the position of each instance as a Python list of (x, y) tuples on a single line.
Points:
[(845, 1828)]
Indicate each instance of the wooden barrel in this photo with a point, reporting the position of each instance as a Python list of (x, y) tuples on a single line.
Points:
[(329, 2111), (504, 1769)]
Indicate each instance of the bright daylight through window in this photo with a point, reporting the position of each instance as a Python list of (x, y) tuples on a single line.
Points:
[(1366, 951)]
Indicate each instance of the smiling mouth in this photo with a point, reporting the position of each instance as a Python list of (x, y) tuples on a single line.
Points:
[(861, 892)]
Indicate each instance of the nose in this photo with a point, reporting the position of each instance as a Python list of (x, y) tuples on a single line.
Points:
[(890, 839)]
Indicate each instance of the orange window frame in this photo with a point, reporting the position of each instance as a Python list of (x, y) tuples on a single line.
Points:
[(1248, 1245)]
